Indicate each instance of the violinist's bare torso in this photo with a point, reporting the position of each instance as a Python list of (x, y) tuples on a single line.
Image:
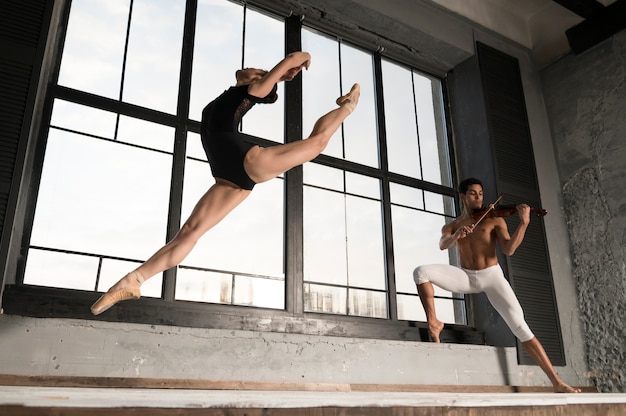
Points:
[(477, 250), (477, 240)]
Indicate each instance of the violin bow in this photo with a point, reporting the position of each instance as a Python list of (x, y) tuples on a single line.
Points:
[(489, 208)]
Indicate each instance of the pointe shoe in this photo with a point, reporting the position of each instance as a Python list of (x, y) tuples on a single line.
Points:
[(351, 99), (109, 299)]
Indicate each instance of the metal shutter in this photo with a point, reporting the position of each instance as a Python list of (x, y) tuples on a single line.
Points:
[(21, 35), (529, 268)]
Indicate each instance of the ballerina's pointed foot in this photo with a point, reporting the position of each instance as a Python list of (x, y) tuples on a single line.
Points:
[(109, 299), (351, 99), (113, 295)]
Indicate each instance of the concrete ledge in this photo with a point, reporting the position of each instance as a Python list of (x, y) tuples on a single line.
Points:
[(78, 348)]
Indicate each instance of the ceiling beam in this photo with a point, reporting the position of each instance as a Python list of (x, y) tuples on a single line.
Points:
[(583, 8), (600, 26)]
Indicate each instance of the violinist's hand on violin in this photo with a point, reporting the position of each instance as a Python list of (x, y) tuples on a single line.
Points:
[(463, 231), (523, 210)]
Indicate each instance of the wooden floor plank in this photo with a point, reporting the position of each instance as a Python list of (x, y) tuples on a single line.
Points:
[(195, 384), (559, 410)]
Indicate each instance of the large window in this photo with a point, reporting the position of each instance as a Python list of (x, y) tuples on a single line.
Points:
[(124, 166)]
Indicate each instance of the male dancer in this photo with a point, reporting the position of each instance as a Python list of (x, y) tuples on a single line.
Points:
[(480, 272)]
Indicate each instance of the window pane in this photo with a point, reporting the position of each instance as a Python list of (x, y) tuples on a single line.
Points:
[(434, 153), (323, 176), (368, 303), (102, 197), (406, 195), (203, 286), (263, 293), (217, 52), (264, 48), (359, 129), (94, 46), (154, 51), (366, 261), (328, 299), (147, 134), (441, 204), (324, 237), (402, 140), (320, 85), (410, 308), (83, 119), (54, 269), (362, 185)]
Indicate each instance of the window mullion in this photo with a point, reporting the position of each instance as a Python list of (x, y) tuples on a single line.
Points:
[(180, 142), (294, 180), (386, 192)]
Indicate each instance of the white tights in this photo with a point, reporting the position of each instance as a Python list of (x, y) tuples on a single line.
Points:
[(490, 280)]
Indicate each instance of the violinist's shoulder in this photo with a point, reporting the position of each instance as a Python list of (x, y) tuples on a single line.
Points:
[(500, 221), (452, 226), (449, 227)]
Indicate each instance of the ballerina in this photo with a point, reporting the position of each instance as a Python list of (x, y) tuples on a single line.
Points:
[(236, 164)]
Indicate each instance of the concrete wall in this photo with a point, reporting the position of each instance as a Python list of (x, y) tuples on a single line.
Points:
[(586, 101)]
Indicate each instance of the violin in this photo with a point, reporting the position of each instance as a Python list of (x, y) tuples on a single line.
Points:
[(502, 211)]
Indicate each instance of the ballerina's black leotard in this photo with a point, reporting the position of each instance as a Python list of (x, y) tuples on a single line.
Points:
[(224, 145)]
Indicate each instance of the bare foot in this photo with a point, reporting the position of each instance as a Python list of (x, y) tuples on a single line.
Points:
[(125, 289), (434, 329), (351, 99), (564, 388)]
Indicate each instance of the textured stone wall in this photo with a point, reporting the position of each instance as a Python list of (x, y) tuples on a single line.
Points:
[(586, 103)]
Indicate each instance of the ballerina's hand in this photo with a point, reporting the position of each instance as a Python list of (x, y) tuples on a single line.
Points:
[(306, 59), (291, 73)]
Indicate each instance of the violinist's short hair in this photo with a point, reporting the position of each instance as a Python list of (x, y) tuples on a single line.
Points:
[(465, 184)]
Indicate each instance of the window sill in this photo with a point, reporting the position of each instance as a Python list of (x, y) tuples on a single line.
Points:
[(45, 302)]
